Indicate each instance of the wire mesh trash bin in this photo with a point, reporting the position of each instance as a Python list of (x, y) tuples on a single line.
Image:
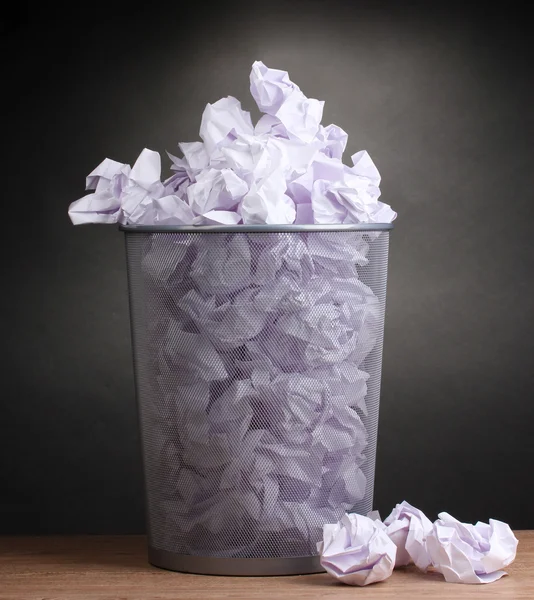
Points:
[(257, 355)]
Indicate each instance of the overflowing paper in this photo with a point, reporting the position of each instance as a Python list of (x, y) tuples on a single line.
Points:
[(356, 551), (466, 553), (286, 169), (254, 374)]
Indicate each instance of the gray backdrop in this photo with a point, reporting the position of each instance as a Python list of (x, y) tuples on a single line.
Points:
[(442, 99)]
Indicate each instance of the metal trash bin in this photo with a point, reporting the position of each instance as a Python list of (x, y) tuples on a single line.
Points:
[(257, 354)]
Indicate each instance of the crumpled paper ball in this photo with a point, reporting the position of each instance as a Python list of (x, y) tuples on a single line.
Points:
[(466, 553), (357, 551), (408, 527)]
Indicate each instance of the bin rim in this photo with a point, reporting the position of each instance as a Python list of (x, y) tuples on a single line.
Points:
[(253, 228)]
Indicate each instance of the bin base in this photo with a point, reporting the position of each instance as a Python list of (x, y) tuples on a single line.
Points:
[(251, 567)]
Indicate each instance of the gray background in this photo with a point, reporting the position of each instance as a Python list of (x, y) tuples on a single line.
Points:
[(442, 99)]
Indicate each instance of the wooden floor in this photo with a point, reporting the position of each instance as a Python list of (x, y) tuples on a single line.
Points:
[(115, 568)]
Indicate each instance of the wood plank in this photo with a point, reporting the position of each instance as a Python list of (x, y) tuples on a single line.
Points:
[(115, 568)]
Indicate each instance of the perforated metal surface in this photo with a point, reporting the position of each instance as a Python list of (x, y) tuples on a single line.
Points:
[(257, 360)]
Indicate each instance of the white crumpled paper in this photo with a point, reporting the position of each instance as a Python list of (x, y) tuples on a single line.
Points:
[(103, 205), (408, 528), (466, 553), (357, 551), (286, 169), (462, 552)]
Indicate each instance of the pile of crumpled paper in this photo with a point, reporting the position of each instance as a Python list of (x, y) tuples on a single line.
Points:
[(360, 550), (286, 169)]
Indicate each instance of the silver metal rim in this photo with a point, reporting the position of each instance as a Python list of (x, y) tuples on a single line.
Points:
[(252, 228), (247, 567)]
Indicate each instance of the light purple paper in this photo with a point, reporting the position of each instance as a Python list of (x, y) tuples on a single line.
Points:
[(103, 205), (466, 553), (215, 190), (241, 316), (463, 553), (223, 120), (287, 169), (408, 528), (356, 551)]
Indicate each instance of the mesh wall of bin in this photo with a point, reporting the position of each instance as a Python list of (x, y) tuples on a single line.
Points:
[(257, 356)]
